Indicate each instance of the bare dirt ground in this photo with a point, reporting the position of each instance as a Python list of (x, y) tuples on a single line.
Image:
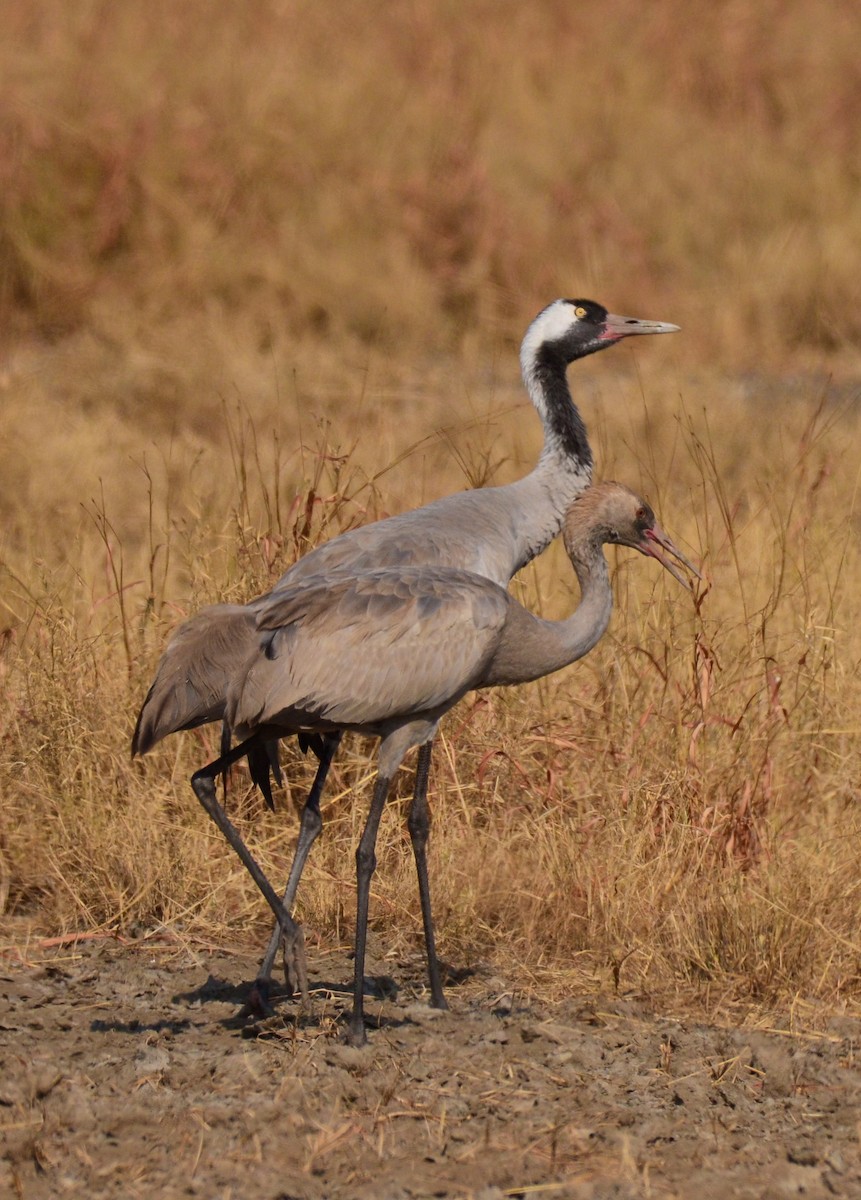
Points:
[(125, 1071)]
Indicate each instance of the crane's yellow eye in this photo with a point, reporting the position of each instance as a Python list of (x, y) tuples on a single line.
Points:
[(580, 312)]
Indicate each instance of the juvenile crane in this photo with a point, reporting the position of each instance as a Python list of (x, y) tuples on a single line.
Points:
[(492, 532), (387, 652)]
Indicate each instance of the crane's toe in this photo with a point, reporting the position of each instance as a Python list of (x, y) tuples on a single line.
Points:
[(295, 964), (258, 1005), (356, 1035)]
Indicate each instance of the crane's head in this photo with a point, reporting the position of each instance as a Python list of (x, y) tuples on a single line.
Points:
[(609, 512), (570, 329)]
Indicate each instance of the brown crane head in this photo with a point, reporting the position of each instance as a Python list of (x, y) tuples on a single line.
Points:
[(611, 512)]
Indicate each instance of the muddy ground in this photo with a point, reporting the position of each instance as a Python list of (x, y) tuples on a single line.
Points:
[(125, 1071)]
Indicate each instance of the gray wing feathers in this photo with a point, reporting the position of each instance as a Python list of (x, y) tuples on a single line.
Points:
[(471, 531), (191, 678), (365, 650)]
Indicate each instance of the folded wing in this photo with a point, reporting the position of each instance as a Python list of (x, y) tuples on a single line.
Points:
[(367, 649)]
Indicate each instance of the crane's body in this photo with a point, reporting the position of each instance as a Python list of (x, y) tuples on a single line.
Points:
[(491, 532)]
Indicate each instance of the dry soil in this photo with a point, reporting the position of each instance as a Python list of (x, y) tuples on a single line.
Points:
[(127, 1070)]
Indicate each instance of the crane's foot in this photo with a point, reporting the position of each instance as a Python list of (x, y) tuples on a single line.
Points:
[(295, 964), (285, 961), (258, 1005), (356, 1035)]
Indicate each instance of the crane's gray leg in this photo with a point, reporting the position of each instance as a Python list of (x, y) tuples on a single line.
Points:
[(418, 823), (366, 861), (203, 782), (309, 830)]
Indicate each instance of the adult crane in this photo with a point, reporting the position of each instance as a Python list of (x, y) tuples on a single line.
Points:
[(386, 652), (492, 532)]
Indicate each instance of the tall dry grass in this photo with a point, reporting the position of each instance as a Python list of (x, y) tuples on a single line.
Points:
[(681, 806), (259, 283)]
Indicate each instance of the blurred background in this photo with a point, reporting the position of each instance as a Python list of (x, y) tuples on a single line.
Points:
[(410, 176)]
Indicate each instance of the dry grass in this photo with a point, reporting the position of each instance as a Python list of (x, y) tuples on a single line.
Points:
[(416, 176), (268, 287)]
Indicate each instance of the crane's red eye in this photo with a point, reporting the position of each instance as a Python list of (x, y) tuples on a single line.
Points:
[(641, 512)]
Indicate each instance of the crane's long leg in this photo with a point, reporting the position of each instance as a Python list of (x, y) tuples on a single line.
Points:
[(366, 862), (418, 823), (309, 830), (203, 782)]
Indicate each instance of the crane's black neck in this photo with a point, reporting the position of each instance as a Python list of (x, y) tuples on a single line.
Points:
[(564, 429)]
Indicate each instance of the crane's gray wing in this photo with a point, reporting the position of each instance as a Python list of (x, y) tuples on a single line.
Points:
[(358, 651), (482, 531), (191, 678)]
